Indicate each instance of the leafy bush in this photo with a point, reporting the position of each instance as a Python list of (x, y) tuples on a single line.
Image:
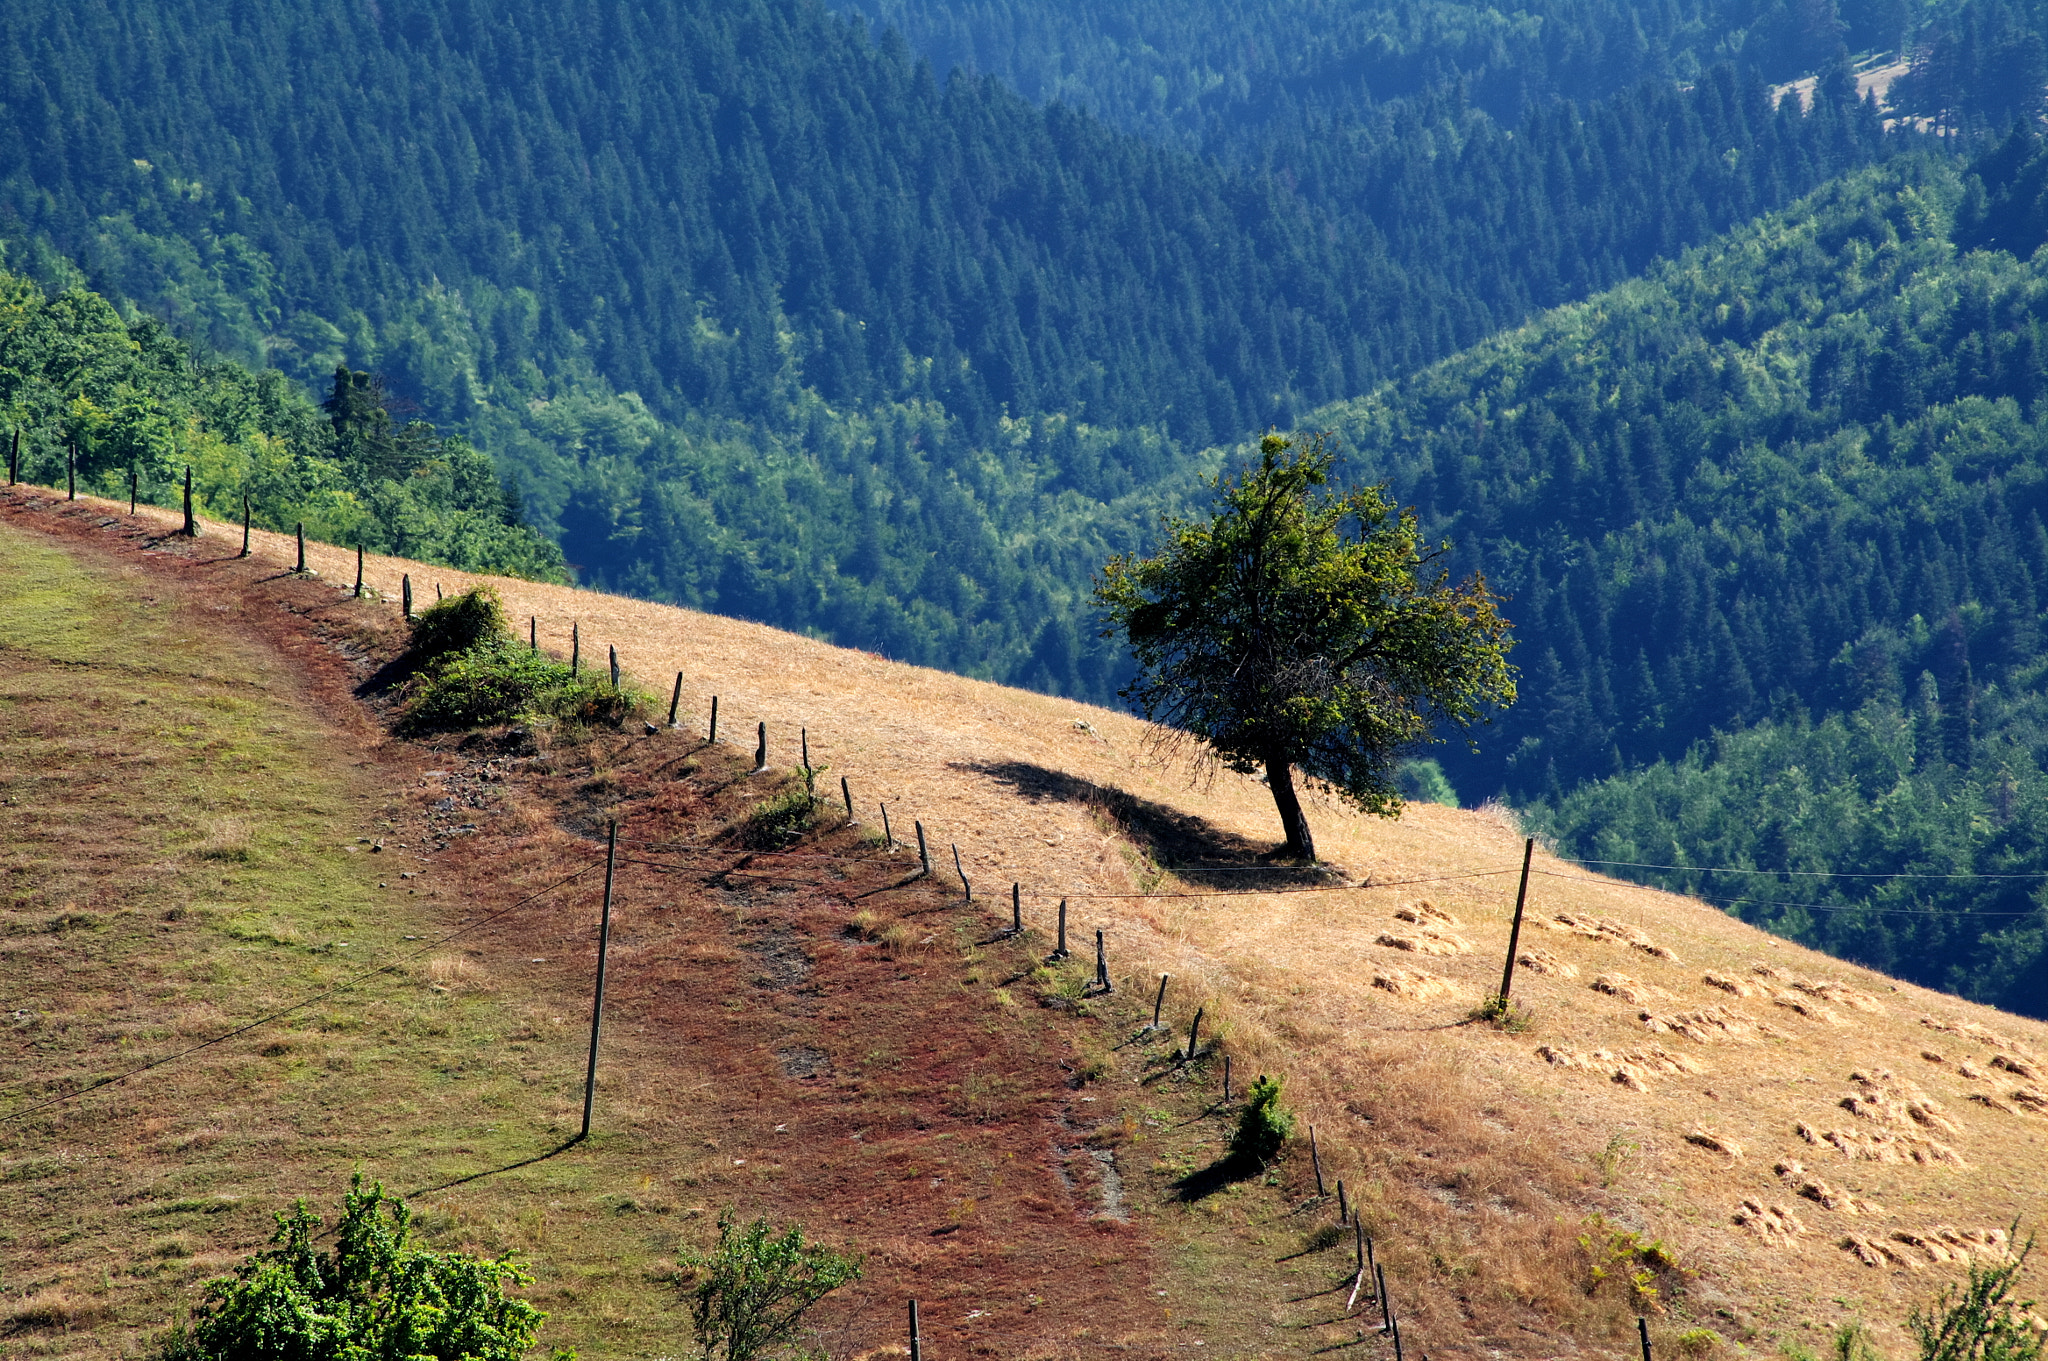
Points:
[(461, 623), (1264, 1125), (778, 821), (375, 1297), (754, 1287), (1982, 1322)]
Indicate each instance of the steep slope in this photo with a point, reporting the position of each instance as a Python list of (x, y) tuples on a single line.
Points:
[(1676, 1058)]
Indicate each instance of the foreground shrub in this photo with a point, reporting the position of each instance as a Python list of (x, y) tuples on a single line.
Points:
[(375, 1297), (459, 624), (754, 1287), (1264, 1125), (1982, 1321)]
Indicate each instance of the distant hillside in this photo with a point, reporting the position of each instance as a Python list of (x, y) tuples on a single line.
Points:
[(1790, 488)]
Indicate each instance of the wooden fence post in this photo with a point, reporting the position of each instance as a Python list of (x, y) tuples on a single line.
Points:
[(575, 648), (924, 856), (405, 595), (1226, 1077), (1102, 964), (1315, 1160), (1507, 974), (1060, 950), (14, 461), (1016, 909), (301, 568), (245, 526), (604, 941), (916, 1341), (1643, 1331), (803, 737), (1159, 1001), (967, 887), (714, 718), (761, 748), (615, 665), (888, 837), (1194, 1033), (71, 471), (675, 699), (1344, 1209), (359, 571), (191, 530), (846, 793), (533, 632), (134, 483)]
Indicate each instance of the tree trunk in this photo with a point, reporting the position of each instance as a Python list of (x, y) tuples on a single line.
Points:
[(1280, 777)]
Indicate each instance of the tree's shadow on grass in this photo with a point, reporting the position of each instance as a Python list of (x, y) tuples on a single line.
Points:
[(1177, 842), (1225, 1172)]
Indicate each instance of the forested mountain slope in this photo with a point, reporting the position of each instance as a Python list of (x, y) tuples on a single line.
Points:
[(1790, 488), (760, 316)]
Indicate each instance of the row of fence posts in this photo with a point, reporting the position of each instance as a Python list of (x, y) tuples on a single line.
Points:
[(1367, 1265)]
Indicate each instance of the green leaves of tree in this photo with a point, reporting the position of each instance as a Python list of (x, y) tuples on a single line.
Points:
[(754, 1287)]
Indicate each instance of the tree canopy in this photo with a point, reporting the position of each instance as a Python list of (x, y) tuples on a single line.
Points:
[(1281, 641)]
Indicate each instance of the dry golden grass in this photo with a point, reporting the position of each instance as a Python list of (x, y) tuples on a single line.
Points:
[(1759, 1048)]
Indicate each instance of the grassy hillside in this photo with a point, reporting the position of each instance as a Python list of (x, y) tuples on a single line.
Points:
[(1479, 1156)]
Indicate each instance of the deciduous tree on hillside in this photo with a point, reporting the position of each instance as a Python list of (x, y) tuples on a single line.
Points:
[(1280, 641)]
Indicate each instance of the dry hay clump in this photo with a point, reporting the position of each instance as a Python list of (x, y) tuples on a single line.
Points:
[(1427, 942), (1710, 1026), (1986, 1099), (1807, 1186), (1426, 913), (1715, 1141), (1413, 984), (1823, 990), (456, 973), (2018, 1067), (1874, 1252), (1727, 984), (1543, 962), (1947, 1244), (1983, 1036), (2025, 1101), (1881, 1148), (1632, 1070), (1884, 1098), (1600, 928), (1628, 990), (1772, 1223)]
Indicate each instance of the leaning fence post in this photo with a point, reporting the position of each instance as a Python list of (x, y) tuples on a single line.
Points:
[(1315, 1160), (965, 886), (191, 530), (846, 793), (1159, 1001), (675, 699), (245, 526), (1386, 1305), (1102, 964), (888, 837), (1344, 1212), (604, 941), (1507, 974), (803, 737), (1194, 1032), (924, 856)]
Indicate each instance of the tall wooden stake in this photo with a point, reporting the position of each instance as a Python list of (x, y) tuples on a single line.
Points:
[(675, 699), (615, 665), (1060, 950), (1344, 1210), (888, 837), (846, 792), (1315, 1160), (1194, 1034), (301, 531), (1507, 975), (604, 941), (575, 648), (1226, 1077), (245, 526), (14, 458), (405, 595), (803, 736), (359, 571), (134, 487), (714, 718), (1016, 909), (71, 471), (191, 530), (924, 855), (916, 1341), (1643, 1331), (1159, 1001), (969, 888), (1102, 964), (533, 633)]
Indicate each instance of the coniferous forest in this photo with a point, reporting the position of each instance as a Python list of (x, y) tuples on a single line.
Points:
[(892, 325)]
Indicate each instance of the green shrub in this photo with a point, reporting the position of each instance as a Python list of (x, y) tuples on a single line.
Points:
[(501, 682), (778, 821), (1264, 1125), (754, 1287), (1981, 1321), (461, 623), (375, 1297)]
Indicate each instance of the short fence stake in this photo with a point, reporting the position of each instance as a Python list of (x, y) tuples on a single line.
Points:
[(803, 737), (1016, 909), (134, 481), (1371, 1262), (888, 837), (761, 748), (1226, 1077), (714, 718), (191, 530), (1159, 1001), (604, 941), (916, 1341), (1344, 1209), (964, 885), (533, 632), (1386, 1306), (1194, 1033), (359, 571), (437, 593), (575, 648), (1315, 1160), (1507, 974), (1060, 950), (846, 793), (14, 466), (1643, 1331), (1102, 964), (675, 699), (301, 568), (615, 665), (924, 856), (245, 526), (71, 471), (405, 595)]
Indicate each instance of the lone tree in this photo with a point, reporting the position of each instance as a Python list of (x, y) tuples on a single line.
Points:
[(1280, 642)]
